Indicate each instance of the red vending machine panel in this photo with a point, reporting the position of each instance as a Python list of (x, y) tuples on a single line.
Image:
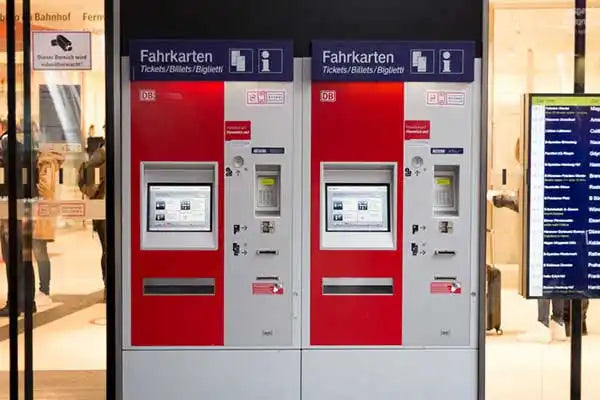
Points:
[(176, 122), (358, 123)]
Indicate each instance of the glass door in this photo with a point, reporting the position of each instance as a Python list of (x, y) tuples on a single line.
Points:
[(531, 51), (67, 95), (17, 307), (52, 208)]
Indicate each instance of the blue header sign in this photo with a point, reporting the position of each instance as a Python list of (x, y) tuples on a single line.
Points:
[(211, 60), (564, 196), (360, 61)]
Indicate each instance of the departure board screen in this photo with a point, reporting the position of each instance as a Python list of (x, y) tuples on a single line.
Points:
[(564, 196)]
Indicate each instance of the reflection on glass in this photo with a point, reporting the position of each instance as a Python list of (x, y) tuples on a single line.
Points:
[(67, 168), (531, 52)]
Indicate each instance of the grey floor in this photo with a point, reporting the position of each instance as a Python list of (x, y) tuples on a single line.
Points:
[(63, 385)]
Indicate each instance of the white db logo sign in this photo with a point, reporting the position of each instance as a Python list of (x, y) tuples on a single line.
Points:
[(327, 96), (147, 95)]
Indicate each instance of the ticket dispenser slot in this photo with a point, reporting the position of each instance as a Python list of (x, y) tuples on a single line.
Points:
[(267, 192), (179, 207), (445, 187), (179, 287), (358, 286)]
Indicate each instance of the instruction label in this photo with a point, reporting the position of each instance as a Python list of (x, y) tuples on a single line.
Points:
[(417, 130), (446, 98), (267, 288), (438, 287), (238, 130)]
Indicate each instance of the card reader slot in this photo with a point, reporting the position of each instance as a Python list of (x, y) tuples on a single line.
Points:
[(358, 286), (444, 252), (267, 252), (179, 286)]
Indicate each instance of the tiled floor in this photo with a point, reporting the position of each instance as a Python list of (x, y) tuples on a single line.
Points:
[(75, 257), (531, 371), (74, 342), (70, 337), (62, 385), (69, 353)]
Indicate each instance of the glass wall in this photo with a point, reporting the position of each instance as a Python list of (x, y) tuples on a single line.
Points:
[(67, 97), (531, 51)]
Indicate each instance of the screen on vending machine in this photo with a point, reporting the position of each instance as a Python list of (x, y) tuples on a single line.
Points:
[(357, 207), (179, 207)]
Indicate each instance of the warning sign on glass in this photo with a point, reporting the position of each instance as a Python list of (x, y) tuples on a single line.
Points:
[(66, 50)]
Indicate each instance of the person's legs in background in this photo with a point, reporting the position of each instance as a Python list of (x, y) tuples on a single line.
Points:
[(558, 320), (4, 246), (558, 310), (585, 304), (544, 312), (550, 327), (40, 253), (100, 228), (21, 270), (540, 333), (25, 264)]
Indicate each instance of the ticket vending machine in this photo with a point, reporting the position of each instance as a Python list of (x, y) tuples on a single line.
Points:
[(211, 257), (391, 192), (300, 229)]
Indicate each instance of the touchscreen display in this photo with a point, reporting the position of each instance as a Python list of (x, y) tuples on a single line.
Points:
[(179, 208), (357, 208)]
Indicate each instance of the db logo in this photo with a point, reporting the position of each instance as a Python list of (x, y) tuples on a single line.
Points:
[(147, 95), (327, 96)]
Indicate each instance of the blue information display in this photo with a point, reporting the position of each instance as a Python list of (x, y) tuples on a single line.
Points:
[(564, 196), (362, 61), (211, 60)]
